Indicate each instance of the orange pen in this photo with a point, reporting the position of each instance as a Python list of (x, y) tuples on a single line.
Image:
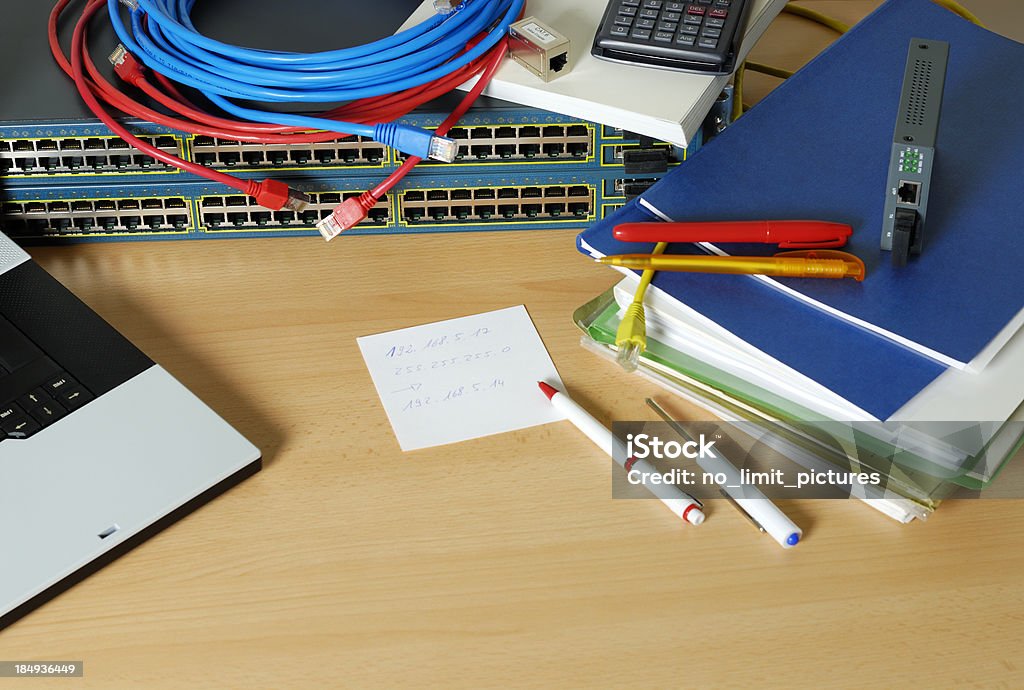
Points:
[(814, 263)]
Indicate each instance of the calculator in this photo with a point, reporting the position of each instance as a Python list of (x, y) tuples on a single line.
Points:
[(696, 36)]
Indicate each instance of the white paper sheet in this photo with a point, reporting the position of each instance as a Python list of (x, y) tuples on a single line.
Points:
[(463, 378)]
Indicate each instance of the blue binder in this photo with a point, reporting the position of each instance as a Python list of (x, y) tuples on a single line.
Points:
[(818, 147)]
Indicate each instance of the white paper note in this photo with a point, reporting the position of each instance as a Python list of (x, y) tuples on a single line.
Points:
[(463, 378)]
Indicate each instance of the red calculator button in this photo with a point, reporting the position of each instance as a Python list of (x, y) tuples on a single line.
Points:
[(695, 9), (718, 13)]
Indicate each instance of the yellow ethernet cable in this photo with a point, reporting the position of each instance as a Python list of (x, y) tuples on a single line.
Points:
[(631, 337)]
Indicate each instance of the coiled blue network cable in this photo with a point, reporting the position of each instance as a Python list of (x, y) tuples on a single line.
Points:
[(164, 38)]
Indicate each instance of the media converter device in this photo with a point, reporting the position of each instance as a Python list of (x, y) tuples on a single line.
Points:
[(913, 149)]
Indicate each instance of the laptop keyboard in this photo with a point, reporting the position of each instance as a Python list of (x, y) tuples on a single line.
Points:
[(34, 391)]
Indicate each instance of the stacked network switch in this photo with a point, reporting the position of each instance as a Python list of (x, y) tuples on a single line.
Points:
[(64, 177)]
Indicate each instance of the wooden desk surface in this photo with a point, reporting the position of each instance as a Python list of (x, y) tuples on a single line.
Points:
[(503, 561)]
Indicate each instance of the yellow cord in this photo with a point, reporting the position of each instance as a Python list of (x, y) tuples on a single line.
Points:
[(631, 337)]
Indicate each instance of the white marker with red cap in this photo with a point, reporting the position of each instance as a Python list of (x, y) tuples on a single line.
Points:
[(679, 502)]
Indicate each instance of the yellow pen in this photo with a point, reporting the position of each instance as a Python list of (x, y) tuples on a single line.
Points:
[(814, 263)]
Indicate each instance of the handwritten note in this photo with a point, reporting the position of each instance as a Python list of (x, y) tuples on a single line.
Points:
[(460, 379)]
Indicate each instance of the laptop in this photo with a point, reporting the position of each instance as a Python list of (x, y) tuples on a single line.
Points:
[(100, 448)]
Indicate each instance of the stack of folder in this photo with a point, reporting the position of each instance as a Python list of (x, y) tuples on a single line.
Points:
[(917, 369)]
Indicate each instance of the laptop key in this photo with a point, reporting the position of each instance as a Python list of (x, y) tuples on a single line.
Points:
[(73, 398), (47, 413), (19, 427)]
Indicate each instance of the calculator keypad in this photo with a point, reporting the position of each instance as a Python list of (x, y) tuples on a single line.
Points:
[(695, 24)]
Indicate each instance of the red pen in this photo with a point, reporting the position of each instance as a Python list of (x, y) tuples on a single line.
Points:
[(796, 234)]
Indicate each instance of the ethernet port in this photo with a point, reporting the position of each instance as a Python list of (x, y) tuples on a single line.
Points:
[(301, 156), (508, 210), (505, 150), (505, 133), (277, 157), (46, 145), (49, 162), (332, 198), (554, 191), (580, 210), (127, 203), (119, 144), (205, 158), (529, 131), (374, 155), (461, 194), (4, 146), (23, 145), (485, 212), (529, 150), (378, 215), (909, 193), (481, 151), (558, 63), (152, 204), (131, 222), (155, 222), (531, 192), (121, 161), (166, 143), (230, 158), (310, 217), (238, 218), (81, 206), (106, 205), (324, 156), (97, 162), (483, 194), (212, 220), (253, 157), (180, 222), (461, 212), (413, 215), (12, 209), (481, 133), (554, 131), (95, 145), (67, 145), (107, 222), (202, 141), (437, 195), (576, 130), (84, 224), (348, 156), (532, 210), (554, 210), (414, 196), (35, 207), (58, 207), (144, 162), (61, 224), (578, 149), (554, 150), (284, 217), (25, 164), (261, 218), (213, 201), (72, 162), (174, 203), (579, 190), (438, 213), (508, 193), (235, 201), (6, 164), (458, 133)]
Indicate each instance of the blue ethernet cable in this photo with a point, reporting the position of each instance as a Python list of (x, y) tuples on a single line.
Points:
[(164, 38)]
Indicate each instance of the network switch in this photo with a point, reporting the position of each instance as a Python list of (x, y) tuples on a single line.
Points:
[(421, 203)]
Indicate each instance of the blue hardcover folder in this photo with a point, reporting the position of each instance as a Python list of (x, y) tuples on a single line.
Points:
[(818, 147)]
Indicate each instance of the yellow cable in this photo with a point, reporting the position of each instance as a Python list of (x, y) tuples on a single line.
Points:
[(959, 9), (631, 336), (816, 16), (768, 69)]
